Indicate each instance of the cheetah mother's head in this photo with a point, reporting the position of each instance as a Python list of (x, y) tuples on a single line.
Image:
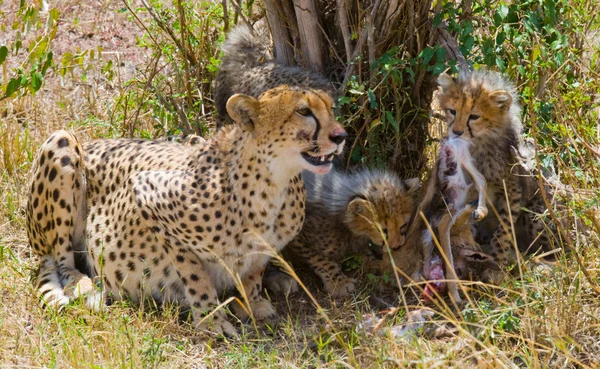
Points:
[(294, 124)]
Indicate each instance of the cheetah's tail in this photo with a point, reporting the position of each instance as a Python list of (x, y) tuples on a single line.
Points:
[(49, 284)]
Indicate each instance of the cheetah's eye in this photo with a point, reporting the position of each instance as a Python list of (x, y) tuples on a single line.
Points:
[(452, 111), (261, 60), (404, 229), (305, 112), (385, 232), (473, 117)]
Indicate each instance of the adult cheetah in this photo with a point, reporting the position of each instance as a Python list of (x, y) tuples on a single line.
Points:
[(177, 222)]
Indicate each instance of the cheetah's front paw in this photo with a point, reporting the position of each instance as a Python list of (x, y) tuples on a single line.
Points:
[(341, 287), (281, 283), (214, 324), (261, 310)]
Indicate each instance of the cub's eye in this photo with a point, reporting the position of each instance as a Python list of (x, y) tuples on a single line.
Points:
[(473, 117), (404, 228), (385, 232), (452, 111), (261, 60), (305, 112)]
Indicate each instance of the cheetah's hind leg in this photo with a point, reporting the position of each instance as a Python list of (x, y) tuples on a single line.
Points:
[(56, 221)]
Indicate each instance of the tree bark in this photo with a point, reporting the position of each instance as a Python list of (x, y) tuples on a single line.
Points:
[(310, 34), (284, 53)]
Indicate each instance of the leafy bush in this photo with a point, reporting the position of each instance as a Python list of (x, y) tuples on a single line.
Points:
[(32, 34)]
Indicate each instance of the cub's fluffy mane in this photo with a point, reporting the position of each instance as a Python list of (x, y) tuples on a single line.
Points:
[(245, 46), (335, 190), (248, 67)]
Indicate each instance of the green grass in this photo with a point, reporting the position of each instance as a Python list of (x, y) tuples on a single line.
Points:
[(549, 318)]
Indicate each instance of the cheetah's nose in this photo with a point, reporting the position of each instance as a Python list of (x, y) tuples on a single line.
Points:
[(338, 135), (457, 133)]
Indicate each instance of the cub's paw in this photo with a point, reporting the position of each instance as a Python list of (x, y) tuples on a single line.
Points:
[(280, 283), (480, 213), (494, 277), (341, 287)]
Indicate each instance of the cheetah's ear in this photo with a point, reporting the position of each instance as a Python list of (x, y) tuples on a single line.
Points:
[(243, 109), (445, 81), (503, 99), (412, 185), (359, 207)]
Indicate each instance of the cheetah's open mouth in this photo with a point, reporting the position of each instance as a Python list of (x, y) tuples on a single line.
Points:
[(318, 160)]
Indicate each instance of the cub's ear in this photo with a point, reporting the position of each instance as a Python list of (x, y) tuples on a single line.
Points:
[(360, 207), (412, 185), (481, 258), (445, 81), (502, 99), (243, 109)]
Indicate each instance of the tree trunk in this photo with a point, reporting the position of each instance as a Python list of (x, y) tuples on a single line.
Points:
[(386, 110)]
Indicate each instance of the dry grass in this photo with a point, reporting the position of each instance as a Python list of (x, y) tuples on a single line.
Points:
[(549, 318)]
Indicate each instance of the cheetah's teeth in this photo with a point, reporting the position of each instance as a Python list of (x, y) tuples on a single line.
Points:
[(322, 158), (330, 158)]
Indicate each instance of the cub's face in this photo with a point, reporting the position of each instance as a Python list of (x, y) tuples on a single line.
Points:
[(384, 215), (471, 109), (294, 124)]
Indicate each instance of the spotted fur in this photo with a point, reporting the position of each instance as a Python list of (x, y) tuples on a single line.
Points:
[(176, 222)]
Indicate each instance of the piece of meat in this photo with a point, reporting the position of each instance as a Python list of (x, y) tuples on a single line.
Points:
[(436, 283)]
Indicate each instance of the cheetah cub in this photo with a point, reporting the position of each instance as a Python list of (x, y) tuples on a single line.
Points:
[(179, 222), (248, 67), (482, 108), (346, 212)]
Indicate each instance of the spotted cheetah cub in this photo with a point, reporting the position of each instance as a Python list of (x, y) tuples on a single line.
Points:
[(248, 67), (346, 212), (482, 108), (178, 222)]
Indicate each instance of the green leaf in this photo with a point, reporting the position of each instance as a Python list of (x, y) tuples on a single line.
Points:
[(372, 99), (500, 37), (390, 118), (503, 11), (426, 55), (3, 54), (500, 63), (13, 86), (36, 81)]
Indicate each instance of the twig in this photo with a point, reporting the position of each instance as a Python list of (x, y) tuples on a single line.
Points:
[(370, 39), (358, 49), (169, 31), (238, 11), (345, 27), (183, 27), (450, 44), (225, 16), (147, 87)]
